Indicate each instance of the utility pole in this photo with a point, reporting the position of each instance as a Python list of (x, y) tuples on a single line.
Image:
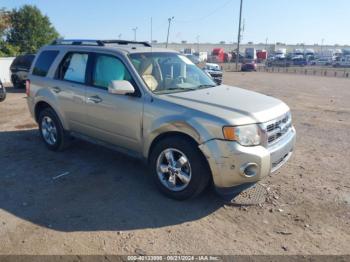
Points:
[(134, 29), (120, 36), (322, 40), (151, 30), (167, 37), (239, 34), (266, 43)]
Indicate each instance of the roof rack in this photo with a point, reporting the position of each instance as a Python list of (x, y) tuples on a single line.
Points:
[(87, 42), (124, 42)]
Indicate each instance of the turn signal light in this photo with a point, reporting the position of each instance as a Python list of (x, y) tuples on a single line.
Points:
[(229, 133)]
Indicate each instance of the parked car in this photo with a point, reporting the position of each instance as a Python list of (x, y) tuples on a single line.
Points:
[(215, 72), (299, 61), (2, 92), (343, 62), (234, 56), (157, 105), (278, 62), (323, 61), (248, 65), (19, 69)]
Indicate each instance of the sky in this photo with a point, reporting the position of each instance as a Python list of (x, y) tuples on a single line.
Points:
[(286, 21)]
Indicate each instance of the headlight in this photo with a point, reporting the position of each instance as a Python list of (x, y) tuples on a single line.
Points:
[(245, 135)]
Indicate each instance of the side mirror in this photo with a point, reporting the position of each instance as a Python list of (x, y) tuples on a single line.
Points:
[(121, 87)]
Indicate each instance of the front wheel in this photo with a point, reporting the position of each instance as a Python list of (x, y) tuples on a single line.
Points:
[(179, 169)]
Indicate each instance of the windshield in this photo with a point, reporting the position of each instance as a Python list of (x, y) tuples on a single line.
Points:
[(169, 72)]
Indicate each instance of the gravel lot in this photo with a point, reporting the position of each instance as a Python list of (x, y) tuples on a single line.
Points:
[(107, 204)]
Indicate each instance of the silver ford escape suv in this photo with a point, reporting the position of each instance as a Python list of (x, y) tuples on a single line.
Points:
[(155, 104)]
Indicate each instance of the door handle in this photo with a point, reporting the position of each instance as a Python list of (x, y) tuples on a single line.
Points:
[(56, 89), (95, 99)]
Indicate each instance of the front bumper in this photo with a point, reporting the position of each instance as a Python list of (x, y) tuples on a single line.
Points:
[(226, 159), (217, 80)]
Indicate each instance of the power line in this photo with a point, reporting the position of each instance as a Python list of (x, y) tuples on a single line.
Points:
[(205, 16)]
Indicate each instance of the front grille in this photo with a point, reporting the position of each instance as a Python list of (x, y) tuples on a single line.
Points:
[(277, 128)]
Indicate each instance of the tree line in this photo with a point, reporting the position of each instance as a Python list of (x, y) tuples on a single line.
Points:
[(24, 30)]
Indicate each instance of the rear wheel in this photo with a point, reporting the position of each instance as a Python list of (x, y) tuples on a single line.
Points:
[(15, 81), (178, 168), (51, 130)]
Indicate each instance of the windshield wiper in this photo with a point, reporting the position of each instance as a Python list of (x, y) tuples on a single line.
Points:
[(183, 88), (176, 90), (205, 86)]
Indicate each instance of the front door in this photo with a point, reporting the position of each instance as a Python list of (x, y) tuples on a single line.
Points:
[(113, 118)]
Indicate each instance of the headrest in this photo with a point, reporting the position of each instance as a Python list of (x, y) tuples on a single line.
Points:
[(146, 67)]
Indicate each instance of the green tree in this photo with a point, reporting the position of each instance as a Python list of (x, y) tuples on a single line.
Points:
[(29, 29), (4, 21), (6, 49)]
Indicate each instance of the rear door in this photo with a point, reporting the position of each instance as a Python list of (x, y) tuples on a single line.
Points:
[(69, 87), (113, 118)]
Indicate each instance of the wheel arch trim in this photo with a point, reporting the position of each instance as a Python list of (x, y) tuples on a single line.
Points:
[(168, 130), (43, 103)]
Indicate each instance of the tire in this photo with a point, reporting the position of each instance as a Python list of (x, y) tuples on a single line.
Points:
[(14, 81), (3, 97), (197, 166), (3, 94), (48, 117)]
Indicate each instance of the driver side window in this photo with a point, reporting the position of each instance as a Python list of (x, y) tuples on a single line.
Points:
[(107, 69)]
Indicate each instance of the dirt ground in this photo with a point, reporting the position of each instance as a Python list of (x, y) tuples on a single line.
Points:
[(107, 204)]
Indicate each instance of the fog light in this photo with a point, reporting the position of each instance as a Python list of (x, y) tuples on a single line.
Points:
[(249, 170)]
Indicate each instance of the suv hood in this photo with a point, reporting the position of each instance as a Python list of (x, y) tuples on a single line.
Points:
[(236, 106)]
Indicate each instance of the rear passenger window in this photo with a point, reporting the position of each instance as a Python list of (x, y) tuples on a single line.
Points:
[(44, 62), (73, 67)]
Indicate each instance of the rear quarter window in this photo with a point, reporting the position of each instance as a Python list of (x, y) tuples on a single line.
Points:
[(16, 61), (44, 62), (23, 62), (27, 61)]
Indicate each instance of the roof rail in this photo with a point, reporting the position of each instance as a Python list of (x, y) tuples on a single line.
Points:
[(125, 42), (88, 42), (77, 42)]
